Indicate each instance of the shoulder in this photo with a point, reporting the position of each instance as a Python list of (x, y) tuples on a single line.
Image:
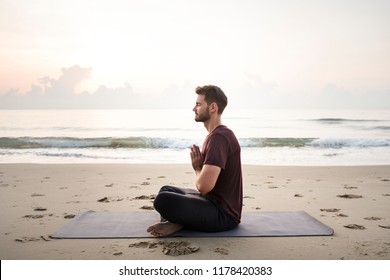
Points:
[(223, 131), (224, 136)]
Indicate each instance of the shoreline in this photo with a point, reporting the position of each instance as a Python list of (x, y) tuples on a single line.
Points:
[(63, 190)]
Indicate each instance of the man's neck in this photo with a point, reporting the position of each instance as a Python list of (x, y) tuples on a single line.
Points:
[(212, 123)]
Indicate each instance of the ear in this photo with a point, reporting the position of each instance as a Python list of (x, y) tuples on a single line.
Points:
[(214, 106)]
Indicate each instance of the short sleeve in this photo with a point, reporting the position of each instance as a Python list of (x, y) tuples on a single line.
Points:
[(217, 151)]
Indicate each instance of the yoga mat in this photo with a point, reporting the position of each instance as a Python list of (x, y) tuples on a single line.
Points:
[(92, 224)]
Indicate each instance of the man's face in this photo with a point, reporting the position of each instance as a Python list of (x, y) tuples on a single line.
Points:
[(201, 109)]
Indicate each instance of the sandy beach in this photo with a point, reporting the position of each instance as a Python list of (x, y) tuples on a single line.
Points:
[(38, 199)]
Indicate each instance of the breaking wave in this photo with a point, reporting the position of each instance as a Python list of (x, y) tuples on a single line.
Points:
[(17, 143)]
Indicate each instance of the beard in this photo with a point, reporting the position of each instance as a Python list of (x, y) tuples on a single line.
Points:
[(202, 117)]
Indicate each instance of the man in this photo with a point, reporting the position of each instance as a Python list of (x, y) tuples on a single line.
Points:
[(217, 203)]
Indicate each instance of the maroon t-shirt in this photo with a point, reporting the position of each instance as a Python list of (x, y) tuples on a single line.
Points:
[(222, 149)]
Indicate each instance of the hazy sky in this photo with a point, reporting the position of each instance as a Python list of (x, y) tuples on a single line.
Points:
[(307, 53)]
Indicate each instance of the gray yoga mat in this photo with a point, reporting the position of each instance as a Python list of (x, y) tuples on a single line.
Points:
[(133, 225)]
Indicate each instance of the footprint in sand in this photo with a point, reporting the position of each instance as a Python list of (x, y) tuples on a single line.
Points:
[(146, 244), (27, 239), (330, 210), (143, 244), (350, 196), (373, 218), (113, 249), (69, 216), (383, 226), (355, 226), (179, 248), (104, 199), (37, 194), (32, 239), (146, 207), (342, 215), (40, 209), (145, 197), (33, 216), (107, 199), (221, 251), (175, 248)]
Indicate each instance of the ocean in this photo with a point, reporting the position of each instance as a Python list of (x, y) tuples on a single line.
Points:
[(267, 137)]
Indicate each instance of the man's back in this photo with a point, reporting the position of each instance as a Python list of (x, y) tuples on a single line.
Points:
[(222, 149)]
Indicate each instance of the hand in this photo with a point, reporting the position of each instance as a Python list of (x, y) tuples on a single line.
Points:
[(196, 158)]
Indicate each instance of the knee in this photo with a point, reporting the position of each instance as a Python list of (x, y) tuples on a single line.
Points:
[(160, 201), (167, 197), (160, 197), (166, 188)]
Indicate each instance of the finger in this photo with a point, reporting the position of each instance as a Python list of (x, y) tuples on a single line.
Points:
[(196, 149), (192, 153)]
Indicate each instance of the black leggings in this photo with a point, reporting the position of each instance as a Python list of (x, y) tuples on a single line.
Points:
[(192, 210)]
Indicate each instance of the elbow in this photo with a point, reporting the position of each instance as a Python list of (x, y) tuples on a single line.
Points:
[(204, 188), (202, 191)]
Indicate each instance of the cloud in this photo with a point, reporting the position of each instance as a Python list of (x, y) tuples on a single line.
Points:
[(115, 98), (61, 93), (67, 83), (254, 92)]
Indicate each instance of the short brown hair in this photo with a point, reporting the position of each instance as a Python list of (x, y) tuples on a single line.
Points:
[(213, 94)]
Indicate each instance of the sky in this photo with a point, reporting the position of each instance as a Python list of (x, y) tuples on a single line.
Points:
[(153, 53)]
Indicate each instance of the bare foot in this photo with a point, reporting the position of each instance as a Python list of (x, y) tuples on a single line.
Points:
[(163, 228)]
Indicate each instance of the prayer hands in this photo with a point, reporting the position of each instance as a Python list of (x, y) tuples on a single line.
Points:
[(196, 158)]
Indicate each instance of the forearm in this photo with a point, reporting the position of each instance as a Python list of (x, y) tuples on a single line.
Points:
[(206, 178), (197, 176)]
